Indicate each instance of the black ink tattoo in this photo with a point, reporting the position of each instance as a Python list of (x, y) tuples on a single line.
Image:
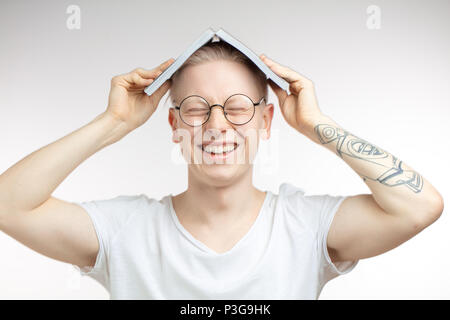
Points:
[(397, 176), (355, 147)]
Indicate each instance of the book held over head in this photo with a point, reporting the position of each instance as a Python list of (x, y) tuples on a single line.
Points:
[(213, 36)]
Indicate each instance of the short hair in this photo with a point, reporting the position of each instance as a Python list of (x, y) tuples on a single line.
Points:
[(221, 50)]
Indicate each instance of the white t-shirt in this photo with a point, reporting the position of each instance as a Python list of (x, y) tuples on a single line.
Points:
[(145, 252)]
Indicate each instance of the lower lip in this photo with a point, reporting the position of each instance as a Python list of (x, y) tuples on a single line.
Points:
[(220, 156)]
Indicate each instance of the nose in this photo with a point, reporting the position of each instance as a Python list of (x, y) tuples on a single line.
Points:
[(217, 118)]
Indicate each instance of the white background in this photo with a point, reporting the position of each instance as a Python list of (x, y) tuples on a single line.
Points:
[(389, 86)]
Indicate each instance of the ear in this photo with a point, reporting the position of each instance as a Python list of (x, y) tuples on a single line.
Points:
[(267, 118), (173, 122)]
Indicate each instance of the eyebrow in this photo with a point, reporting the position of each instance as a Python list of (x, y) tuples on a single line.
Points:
[(209, 98)]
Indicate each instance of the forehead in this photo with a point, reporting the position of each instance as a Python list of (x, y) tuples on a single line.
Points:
[(217, 80)]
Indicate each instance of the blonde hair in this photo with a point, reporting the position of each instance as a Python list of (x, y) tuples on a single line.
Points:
[(220, 50)]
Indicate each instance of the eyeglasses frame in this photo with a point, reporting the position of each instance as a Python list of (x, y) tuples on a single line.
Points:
[(219, 105)]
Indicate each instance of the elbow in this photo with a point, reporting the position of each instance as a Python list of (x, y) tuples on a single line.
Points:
[(2, 217), (435, 209), (5, 214), (438, 207), (2, 213)]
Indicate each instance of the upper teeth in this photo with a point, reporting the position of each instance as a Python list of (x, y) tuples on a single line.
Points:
[(218, 149)]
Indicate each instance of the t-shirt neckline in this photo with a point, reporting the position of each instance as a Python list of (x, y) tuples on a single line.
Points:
[(203, 246)]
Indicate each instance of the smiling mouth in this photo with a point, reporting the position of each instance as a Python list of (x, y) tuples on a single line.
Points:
[(219, 150)]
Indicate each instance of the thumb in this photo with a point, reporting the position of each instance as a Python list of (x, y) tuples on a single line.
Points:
[(280, 93)]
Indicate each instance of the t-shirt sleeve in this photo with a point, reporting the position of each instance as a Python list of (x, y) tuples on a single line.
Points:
[(328, 208), (108, 216), (316, 213)]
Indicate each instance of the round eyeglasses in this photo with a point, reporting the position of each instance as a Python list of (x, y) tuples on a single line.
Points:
[(238, 109)]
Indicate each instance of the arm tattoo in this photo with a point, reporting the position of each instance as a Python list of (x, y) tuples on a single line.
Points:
[(355, 147)]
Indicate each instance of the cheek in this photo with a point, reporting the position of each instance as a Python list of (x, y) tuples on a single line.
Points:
[(185, 136), (252, 135), (251, 132)]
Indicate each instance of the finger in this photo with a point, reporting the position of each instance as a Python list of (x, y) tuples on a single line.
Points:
[(142, 83), (163, 66), (285, 72), (147, 74), (136, 81), (156, 72)]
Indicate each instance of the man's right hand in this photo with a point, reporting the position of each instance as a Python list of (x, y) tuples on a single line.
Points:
[(127, 100), (60, 229)]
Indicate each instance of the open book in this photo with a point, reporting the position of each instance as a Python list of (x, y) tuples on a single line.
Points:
[(207, 36)]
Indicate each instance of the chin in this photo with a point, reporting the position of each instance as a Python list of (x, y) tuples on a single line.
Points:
[(220, 174)]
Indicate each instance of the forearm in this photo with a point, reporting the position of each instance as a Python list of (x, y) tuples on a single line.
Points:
[(32, 180), (396, 187)]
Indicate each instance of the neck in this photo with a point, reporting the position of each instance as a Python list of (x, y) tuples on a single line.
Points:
[(214, 205)]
